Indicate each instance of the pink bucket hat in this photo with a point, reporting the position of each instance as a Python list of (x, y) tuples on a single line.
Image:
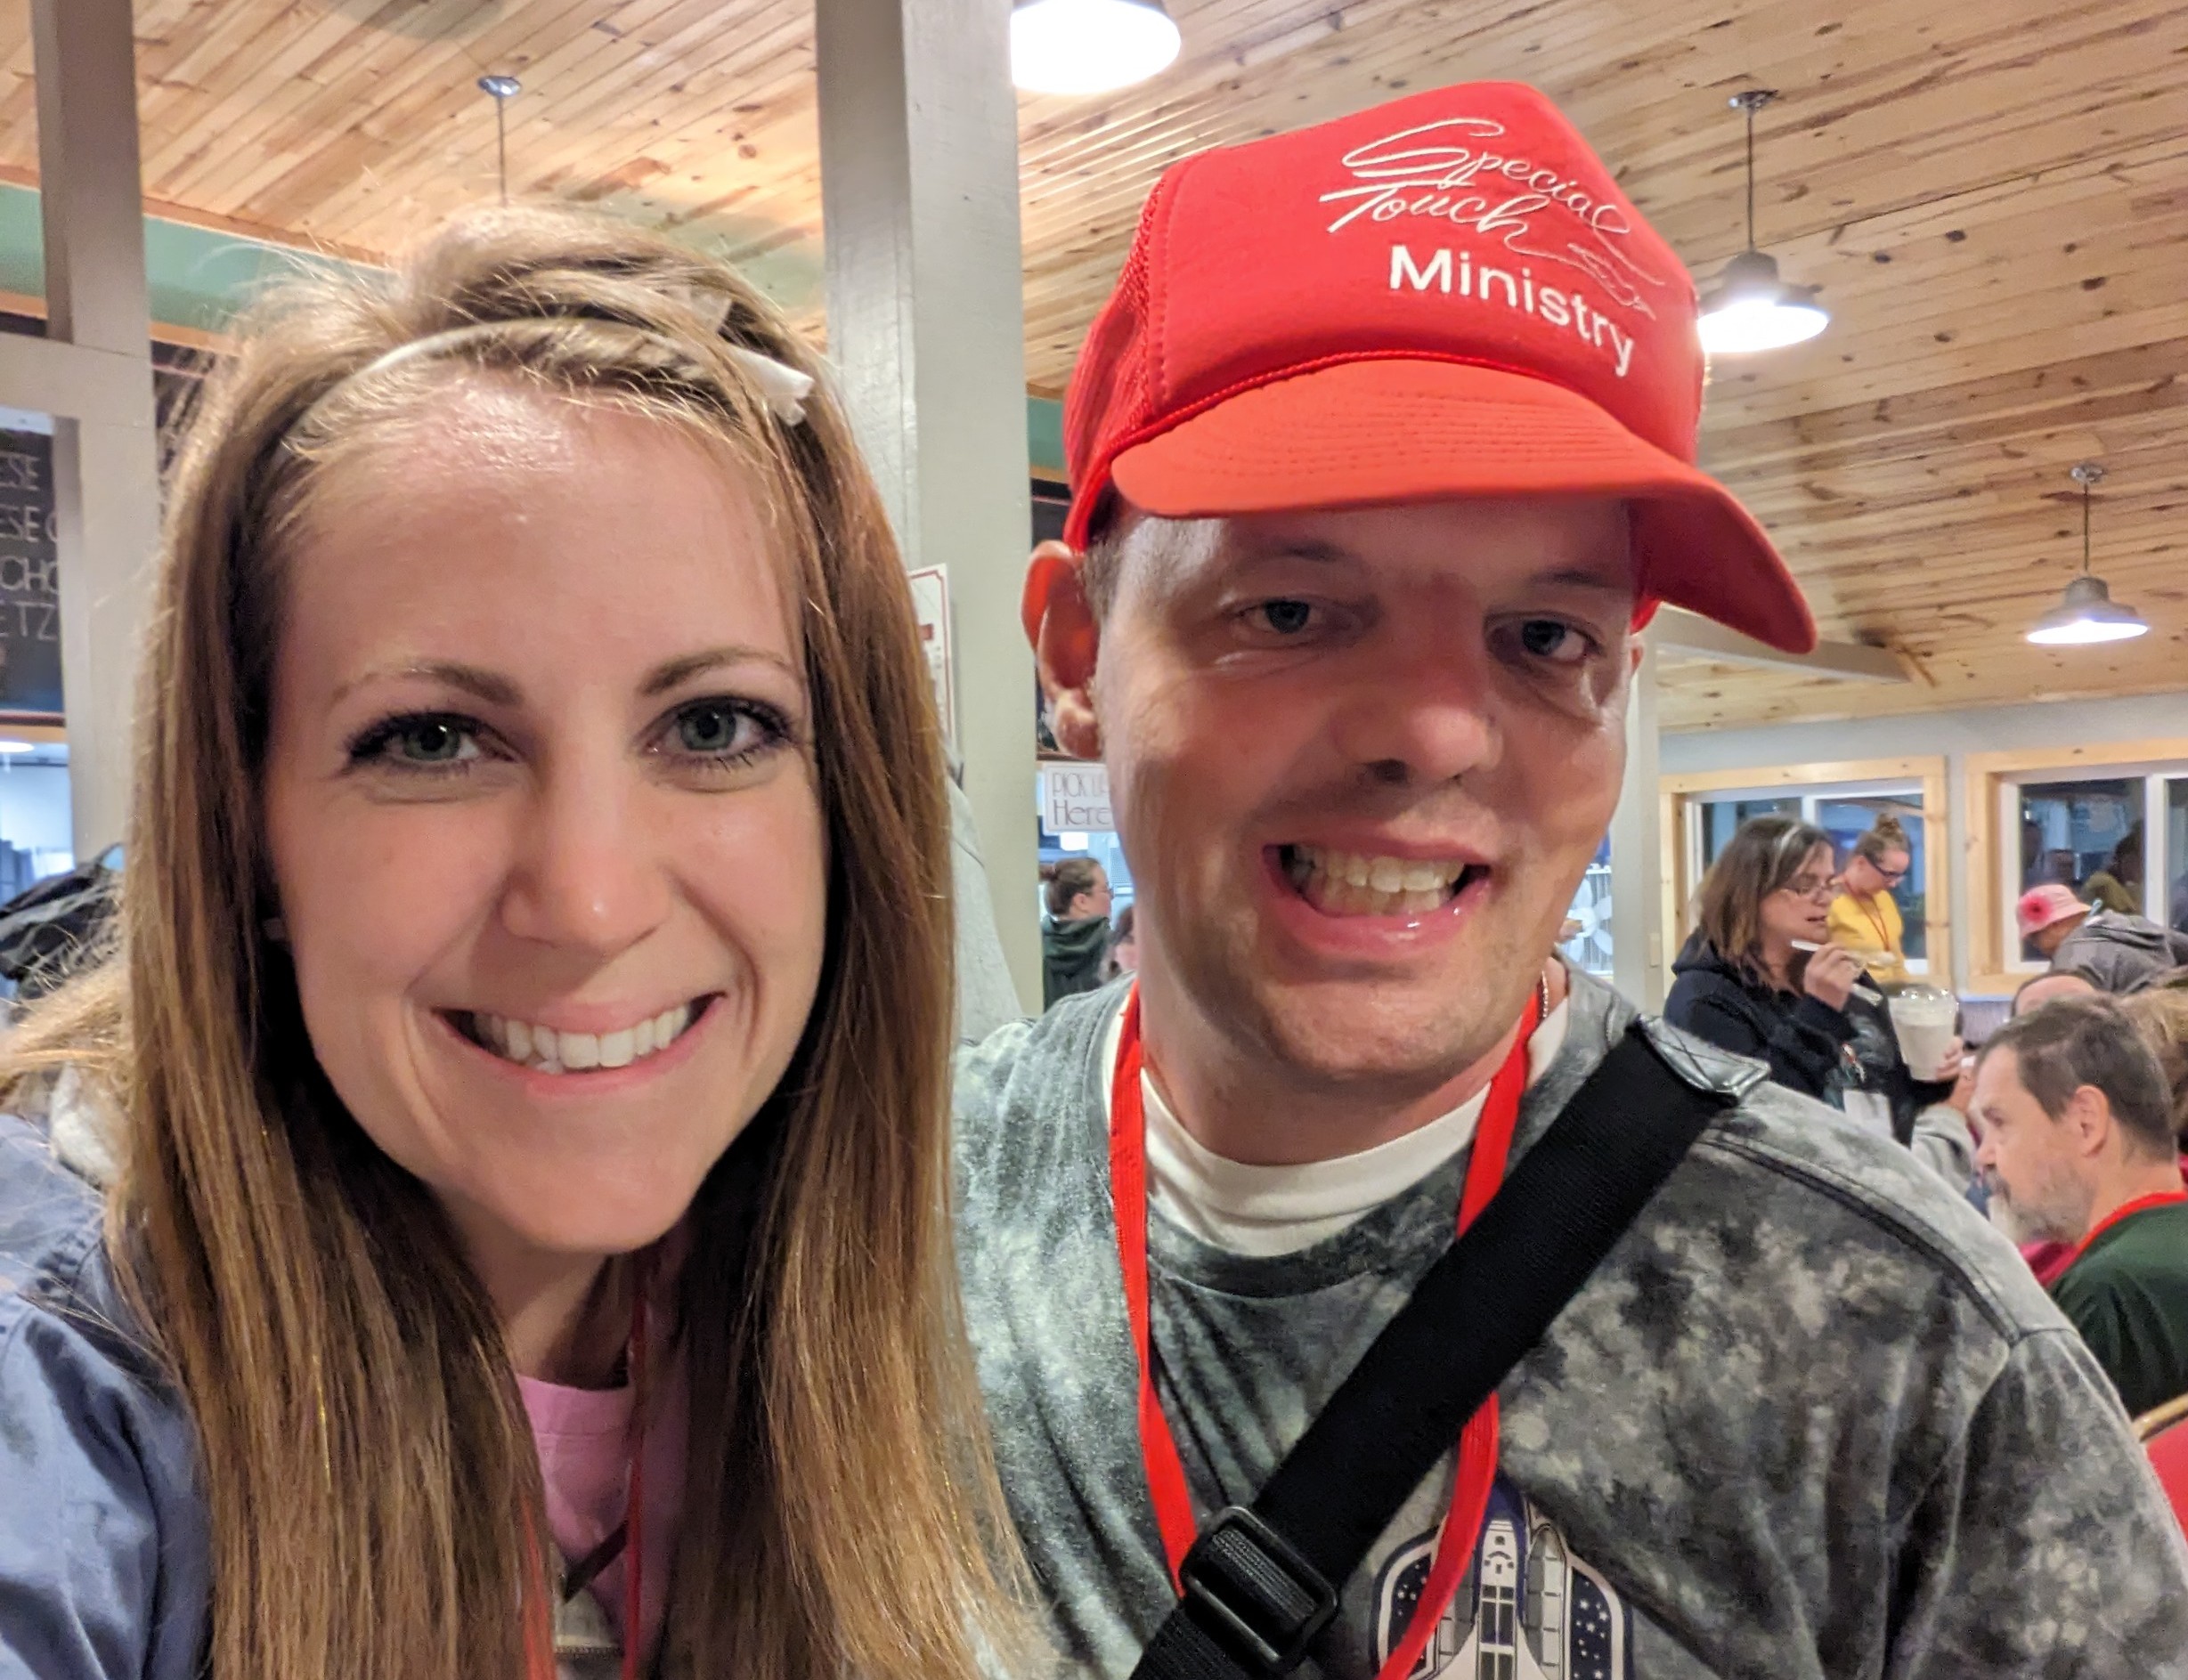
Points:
[(2041, 906)]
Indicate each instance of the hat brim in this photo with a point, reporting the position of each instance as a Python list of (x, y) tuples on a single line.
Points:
[(2066, 914), (1391, 429)]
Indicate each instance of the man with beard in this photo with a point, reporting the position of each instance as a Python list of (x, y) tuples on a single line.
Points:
[(2078, 1147)]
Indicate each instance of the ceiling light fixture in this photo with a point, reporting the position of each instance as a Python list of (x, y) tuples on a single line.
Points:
[(504, 88), (1089, 47), (1752, 308), (2088, 613)]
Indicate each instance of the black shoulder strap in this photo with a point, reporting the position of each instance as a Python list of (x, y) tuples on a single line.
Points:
[(1263, 1581)]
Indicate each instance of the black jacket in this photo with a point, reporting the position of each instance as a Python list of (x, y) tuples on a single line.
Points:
[(1810, 1046)]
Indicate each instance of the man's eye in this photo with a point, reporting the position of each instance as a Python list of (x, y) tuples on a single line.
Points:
[(1285, 618), (1548, 638)]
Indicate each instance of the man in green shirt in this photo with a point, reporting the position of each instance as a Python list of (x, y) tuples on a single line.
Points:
[(2078, 1147)]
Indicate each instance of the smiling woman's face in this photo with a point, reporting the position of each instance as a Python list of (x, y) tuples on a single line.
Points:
[(541, 811)]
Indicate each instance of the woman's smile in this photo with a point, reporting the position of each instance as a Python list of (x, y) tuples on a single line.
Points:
[(541, 869), (549, 1049)]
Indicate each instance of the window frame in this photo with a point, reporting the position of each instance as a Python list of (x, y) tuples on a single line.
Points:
[(1992, 793), (1682, 797)]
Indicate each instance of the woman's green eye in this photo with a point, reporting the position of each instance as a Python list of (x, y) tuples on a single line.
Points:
[(434, 741), (712, 729)]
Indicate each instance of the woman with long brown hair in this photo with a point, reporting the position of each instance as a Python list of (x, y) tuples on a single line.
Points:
[(1762, 977), (527, 1031)]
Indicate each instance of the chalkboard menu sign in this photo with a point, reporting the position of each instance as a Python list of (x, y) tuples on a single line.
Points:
[(29, 579)]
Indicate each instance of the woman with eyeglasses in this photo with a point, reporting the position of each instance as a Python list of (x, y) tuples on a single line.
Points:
[(1762, 977), (1864, 918)]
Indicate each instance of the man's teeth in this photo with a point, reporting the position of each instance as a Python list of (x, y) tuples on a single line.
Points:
[(549, 1052), (1359, 884)]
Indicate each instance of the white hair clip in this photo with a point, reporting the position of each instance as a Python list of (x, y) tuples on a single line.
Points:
[(782, 387)]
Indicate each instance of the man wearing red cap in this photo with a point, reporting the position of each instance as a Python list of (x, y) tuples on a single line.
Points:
[(1380, 452)]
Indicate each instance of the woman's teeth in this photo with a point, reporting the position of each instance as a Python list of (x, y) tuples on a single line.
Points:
[(546, 1051), (1358, 884)]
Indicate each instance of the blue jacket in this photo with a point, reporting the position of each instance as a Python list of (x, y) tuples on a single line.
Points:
[(105, 1542), (104, 1545)]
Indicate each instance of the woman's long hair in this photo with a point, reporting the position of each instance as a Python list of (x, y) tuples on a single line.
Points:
[(1763, 855), (366, 1455)]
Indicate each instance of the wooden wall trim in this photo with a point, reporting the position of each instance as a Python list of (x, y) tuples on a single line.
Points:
[(1787, 775), (1926, 771)]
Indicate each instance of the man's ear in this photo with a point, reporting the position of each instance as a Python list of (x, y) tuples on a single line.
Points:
[(2089, 1118), (1060, 622)]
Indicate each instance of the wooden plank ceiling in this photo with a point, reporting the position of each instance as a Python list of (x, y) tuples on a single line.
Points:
[(1994, 198)]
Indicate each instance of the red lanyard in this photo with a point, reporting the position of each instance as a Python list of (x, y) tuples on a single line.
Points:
[(538, 1618), (2126, 1210), (1879, 923), (1166, 1472)]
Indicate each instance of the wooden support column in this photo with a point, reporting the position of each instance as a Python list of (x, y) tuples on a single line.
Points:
[(106, 458), (1637, 957), (919, 190)]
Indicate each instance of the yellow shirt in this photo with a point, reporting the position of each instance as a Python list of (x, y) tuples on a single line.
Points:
[(1871, 929)]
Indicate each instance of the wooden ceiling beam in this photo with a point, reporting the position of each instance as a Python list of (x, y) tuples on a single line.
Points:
[(1675, 630)]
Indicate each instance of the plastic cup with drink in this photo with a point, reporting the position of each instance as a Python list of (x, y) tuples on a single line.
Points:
[(1925, 1019)]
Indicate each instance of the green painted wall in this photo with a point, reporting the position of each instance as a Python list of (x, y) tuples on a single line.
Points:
[(1044, 434), (201, 278), (197, 278)]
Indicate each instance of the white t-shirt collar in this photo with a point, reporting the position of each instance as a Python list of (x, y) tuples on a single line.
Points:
[(1265, 1211)]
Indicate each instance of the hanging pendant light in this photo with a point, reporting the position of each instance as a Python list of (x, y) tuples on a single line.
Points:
[(1089, 47), (503, 89), (1751, 308), (2088, 613)]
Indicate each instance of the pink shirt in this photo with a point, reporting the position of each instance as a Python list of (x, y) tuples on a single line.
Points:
[(583, 1435)]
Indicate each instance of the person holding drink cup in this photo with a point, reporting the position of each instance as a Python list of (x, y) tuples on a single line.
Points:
[(1762, 977)]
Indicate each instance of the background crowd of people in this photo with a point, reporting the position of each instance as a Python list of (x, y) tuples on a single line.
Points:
[(2069, 1125)]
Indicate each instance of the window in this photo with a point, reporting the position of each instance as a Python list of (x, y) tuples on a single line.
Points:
[(2086, 835), (2107, 823), (35, 827), (1703, 810), (1722, 819), (1846, 814), (2108, 838), (2175, 852), (1585, 940)]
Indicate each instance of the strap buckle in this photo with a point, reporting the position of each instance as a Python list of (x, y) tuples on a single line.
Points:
[(1261, 1596)]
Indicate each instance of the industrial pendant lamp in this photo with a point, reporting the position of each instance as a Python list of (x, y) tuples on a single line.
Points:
[(502, 90), (1752, 308), (2088, 613), (1089, 47)]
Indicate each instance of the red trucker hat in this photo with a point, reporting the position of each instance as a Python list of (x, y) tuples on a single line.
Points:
[(1441, 298)]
